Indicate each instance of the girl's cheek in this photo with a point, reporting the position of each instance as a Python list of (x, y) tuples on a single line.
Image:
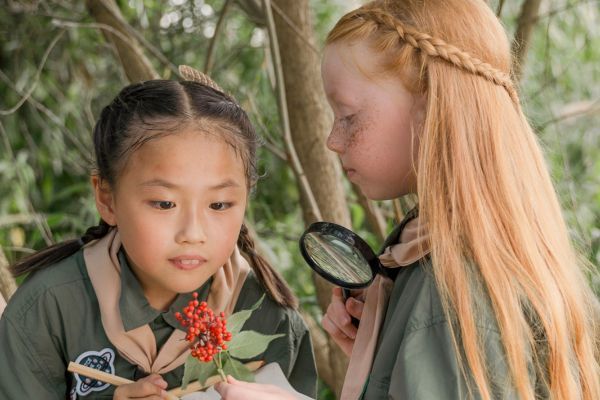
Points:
[(354, 130)]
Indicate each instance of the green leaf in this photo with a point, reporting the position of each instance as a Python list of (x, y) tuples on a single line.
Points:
[(195, 370), (236, 321), (248, 344), (238, 370)]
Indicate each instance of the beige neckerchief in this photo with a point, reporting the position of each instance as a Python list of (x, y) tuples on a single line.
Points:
[(2, 304), (138, 346), (413, 245)]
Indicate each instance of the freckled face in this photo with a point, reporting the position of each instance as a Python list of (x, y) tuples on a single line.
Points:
[(374, 116), (179, 205)]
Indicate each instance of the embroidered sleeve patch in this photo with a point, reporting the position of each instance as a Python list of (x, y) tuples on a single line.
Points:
[(103, 360)]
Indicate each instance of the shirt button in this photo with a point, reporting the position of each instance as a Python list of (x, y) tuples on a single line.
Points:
[(157, 322)]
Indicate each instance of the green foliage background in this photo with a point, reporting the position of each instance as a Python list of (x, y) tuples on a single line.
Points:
[(45, 149)]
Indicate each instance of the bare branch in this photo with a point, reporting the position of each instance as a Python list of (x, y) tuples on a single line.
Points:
[(53, 117), (525, 24), (142, 40), (17, 219), (36, 77), (499, 9), (398, 212), (268, 141), (211, 46), (294, 27), (558, 10), (372, 212), (281, 101), (40, 221), (577, 110), (137, 67), (253, 10)]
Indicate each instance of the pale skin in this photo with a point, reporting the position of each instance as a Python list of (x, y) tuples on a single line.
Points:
[(374, 119), (179, 204)]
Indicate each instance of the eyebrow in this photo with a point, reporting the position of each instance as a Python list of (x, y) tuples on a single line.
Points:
[(170, 185), (225, 184)]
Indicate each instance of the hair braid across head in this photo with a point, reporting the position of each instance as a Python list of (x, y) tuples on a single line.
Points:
[(191, 74), (435, 47)]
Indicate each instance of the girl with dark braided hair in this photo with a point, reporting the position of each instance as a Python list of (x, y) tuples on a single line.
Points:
[(175, 163)]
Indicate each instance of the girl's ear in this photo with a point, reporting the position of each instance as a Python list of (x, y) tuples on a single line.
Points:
[(104, 200)]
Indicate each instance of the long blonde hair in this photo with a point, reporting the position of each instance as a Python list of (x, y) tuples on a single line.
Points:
[(486, 194)]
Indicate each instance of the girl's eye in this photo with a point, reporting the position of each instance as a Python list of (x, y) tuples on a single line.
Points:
[(220, 206), (163, 205)]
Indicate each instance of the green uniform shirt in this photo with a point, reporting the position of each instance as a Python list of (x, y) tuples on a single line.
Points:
[(415, 357), (54, 318)]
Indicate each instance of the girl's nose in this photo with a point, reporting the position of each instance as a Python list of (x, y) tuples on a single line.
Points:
[(191, 229), (335, 140)]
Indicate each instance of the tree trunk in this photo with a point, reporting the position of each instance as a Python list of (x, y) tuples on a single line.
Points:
[(137, 67), (310, 123), (525, 24)]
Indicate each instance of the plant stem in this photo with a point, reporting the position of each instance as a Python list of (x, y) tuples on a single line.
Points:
[(220, 368), (222, 374)]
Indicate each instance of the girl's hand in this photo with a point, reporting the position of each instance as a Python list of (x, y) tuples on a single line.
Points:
[(238, 390), (151, 387), (337, 321)]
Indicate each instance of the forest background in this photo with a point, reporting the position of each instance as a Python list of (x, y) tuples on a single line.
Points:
[(62, 61)]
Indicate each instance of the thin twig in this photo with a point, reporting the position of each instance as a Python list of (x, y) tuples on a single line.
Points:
[(294, 27), (213, 41), (520, 45), (152, 49), (398, 213), (40, 221), (372, 212), (566, 67), (281, 100), (37, 76), (567, 7), (593, 108), (268, 140), (53, 117), (568, 173), (95, 25), (17, 219), (499, 9)]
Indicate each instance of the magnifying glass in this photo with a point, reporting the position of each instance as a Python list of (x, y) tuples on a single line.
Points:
[(340, 256)]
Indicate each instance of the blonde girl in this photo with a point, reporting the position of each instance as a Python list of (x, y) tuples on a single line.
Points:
[(175, 162), (485, 296)]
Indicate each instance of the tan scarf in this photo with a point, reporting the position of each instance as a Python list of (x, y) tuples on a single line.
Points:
[(413, 245), (2, 304), (138, 345)]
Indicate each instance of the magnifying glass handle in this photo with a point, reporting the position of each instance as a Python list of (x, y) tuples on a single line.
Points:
[(346, 293)]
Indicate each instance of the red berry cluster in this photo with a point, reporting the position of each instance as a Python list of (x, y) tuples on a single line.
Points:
[(206, 331)]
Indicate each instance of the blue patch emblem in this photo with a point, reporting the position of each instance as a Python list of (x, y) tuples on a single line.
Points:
[(102, 360)]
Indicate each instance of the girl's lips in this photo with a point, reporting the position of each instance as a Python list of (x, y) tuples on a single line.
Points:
[(187, 263)]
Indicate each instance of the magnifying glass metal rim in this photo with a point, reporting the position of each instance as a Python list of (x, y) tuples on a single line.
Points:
[(365, 250)]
